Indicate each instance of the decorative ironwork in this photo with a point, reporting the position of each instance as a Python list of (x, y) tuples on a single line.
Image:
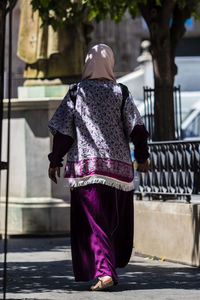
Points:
[(149, 96), (175, 170)]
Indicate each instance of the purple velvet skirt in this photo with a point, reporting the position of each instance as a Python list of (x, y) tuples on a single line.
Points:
[(101, 231)]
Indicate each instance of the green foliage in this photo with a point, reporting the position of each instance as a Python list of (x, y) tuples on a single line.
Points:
[(60, 12)]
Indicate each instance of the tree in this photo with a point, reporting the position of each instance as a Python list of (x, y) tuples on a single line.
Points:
[(166, 23)]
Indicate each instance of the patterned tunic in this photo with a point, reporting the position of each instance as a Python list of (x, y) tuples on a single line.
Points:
[(101, 130)]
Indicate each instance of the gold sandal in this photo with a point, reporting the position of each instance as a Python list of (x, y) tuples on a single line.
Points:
[(102, 284)]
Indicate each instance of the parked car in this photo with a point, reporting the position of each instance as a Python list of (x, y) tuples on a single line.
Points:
[(191, 124), (190, 115)]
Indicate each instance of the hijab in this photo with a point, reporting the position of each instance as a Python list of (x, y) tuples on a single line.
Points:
[(99, 63)]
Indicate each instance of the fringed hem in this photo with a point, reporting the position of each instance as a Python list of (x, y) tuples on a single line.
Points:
[(118, 184)]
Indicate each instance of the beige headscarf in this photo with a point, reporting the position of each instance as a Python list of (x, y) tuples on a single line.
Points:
[(99, 63)]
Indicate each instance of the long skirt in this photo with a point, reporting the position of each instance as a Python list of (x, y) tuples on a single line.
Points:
[(101, 231)]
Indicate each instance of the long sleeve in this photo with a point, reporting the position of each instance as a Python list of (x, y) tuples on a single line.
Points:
[(61, 145), (135, 129), (139, 137), (62, 127)]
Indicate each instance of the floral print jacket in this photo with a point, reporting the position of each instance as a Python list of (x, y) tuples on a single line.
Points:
[(101, 132)]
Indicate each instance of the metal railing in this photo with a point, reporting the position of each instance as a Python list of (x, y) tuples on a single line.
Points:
[(149, 96), (175, 171)]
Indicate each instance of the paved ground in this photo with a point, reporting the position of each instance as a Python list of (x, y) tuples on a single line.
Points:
[(41, 269)]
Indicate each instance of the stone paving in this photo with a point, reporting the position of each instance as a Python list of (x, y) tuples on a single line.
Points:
[(40, 268)]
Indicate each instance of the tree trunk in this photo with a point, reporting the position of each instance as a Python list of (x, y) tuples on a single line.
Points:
[(164, 40), (164, 72), (164, 103)]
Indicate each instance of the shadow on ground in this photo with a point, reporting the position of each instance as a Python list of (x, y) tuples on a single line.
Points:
[(39, 244), (57, 275), (41, 276)]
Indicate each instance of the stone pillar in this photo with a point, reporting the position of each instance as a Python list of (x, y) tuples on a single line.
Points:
[(36, 204)]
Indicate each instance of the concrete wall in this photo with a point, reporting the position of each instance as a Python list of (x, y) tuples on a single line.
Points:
[(40, 216), (168, 229), (37, 205)]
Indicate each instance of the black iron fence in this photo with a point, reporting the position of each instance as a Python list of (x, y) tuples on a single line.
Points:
[(149, 96), (175, 171)]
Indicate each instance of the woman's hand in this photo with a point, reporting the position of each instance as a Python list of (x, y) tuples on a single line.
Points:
[(143, 167), (52, 173)]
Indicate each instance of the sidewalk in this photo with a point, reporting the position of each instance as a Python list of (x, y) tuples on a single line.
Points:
[(40, 268)]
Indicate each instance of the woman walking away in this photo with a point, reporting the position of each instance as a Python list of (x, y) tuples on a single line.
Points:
[(94, 124)]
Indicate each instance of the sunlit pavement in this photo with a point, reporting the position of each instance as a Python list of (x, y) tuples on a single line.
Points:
[(41, 268)]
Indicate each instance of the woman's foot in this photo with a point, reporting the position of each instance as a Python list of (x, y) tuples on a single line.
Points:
[(103, 283)]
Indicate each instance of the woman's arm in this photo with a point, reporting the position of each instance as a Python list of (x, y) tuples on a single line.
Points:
[(139, 137), (61, 145), (135, 130), (62, 127)]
